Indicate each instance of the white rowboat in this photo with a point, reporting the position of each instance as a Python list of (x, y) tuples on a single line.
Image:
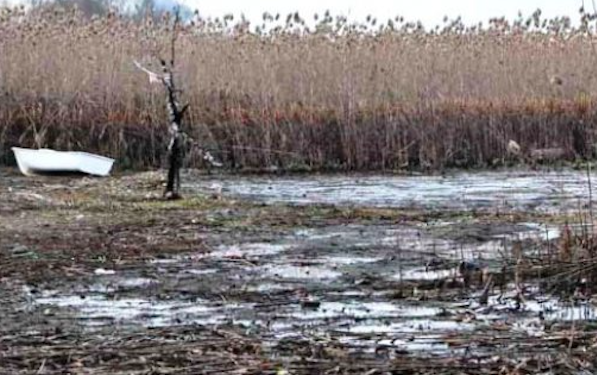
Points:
[(46, 161)]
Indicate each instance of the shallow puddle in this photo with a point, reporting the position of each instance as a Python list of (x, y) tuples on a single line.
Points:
[(341, 281), (247, 250), (554, 309), (98, 310), (414, 326), (421, 274), (347, 260), (300, 272), (360, 321), (369, 310), (502, 190)]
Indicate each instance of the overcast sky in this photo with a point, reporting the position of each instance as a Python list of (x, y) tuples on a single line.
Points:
[(430, 12)]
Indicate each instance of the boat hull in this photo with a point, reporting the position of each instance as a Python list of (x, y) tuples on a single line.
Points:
[(46, 161)]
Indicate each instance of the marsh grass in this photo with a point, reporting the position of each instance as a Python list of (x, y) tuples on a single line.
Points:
[(333, 95)]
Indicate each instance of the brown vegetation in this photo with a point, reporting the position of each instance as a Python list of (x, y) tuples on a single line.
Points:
[(335, 95)]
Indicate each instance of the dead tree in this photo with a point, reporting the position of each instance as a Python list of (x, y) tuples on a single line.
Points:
[(177, 146), (176, 111)]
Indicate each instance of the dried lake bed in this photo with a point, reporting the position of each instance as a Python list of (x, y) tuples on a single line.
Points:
[(335, 274)]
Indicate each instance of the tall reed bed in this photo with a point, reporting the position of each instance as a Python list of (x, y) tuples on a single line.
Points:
[(334, 94)]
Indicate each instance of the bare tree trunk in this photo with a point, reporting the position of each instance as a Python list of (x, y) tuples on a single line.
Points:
[(178, 143), (176, 113), (176, 149), (175, 157), (176, 152)]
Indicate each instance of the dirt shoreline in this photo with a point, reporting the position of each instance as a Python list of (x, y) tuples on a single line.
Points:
[(100, 276)]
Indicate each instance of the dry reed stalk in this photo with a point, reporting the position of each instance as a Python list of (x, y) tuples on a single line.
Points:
[(341, 95)]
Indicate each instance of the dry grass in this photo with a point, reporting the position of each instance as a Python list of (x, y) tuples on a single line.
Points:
[(342, 95)]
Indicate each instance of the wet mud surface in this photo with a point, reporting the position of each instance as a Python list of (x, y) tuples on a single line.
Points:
[(498, 191), (322, 275)]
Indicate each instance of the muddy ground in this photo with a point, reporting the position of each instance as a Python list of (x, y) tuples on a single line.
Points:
[(292, 275)]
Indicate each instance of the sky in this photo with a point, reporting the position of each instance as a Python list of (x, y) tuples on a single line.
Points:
[(430, 12)]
